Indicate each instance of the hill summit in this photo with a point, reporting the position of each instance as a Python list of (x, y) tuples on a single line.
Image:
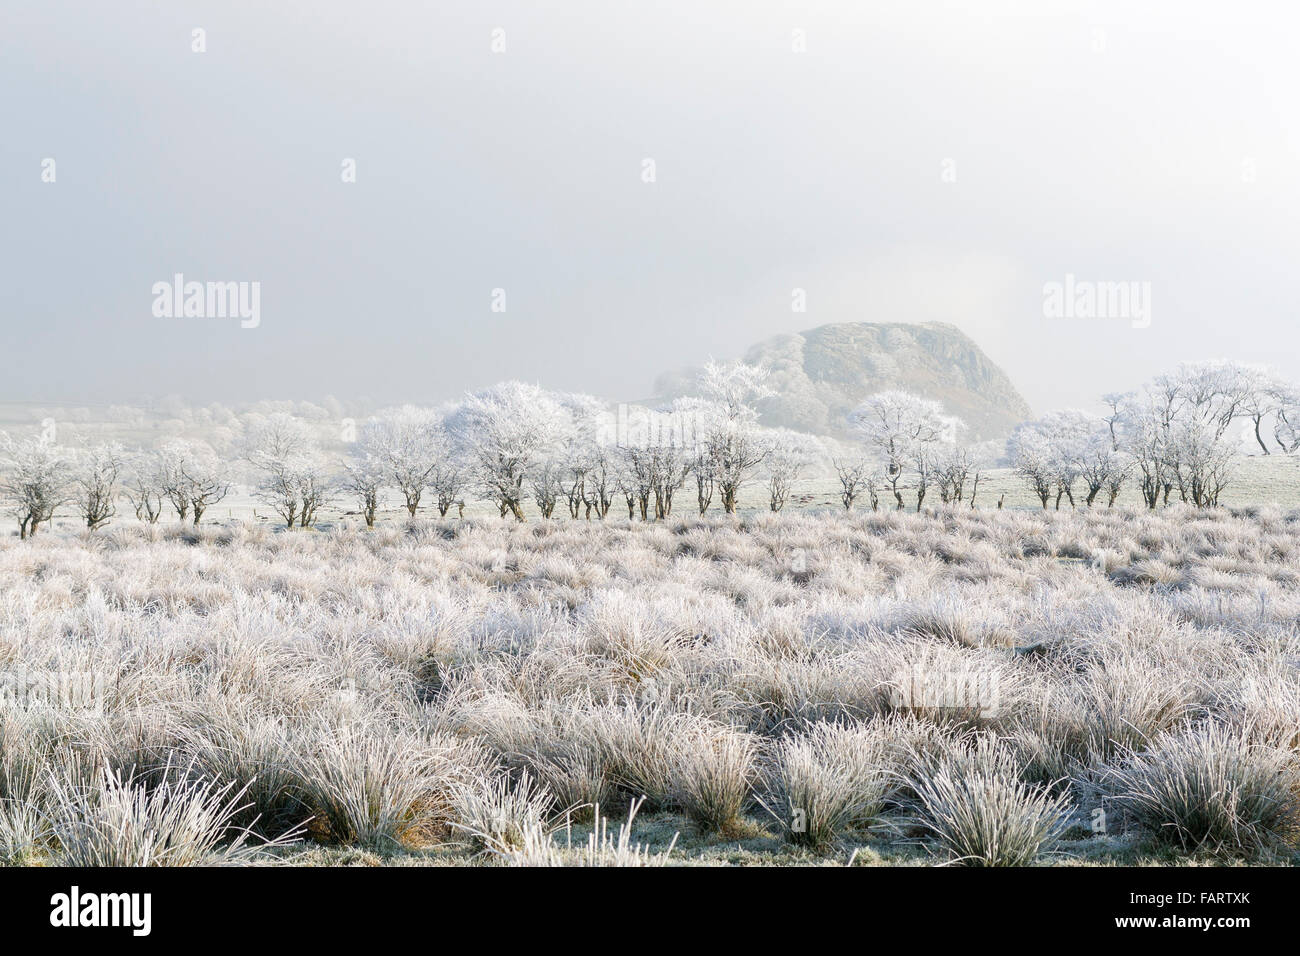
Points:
[(820, 375)]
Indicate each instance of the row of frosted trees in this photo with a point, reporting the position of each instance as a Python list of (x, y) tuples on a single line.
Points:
[(522, 447), (515, 445), (1178, 435)]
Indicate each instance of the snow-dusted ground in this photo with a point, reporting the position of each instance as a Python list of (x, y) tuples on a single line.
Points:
[(1113, 686)]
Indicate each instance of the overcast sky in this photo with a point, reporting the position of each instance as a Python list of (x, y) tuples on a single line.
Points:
[(1155, 145)]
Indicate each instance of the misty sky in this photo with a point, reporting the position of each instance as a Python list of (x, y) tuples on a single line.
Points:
[(1156, 144)]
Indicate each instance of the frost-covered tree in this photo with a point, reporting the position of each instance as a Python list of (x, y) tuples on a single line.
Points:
[(625, 483), (790, 453), (1286, 424), (503, 432), (1211, 394), (594, 472), (547, 481), (694, 418), (1176, 430), (574, 451), (447, 480), (942, 462), (364, 477), (293, 476), (728, 423), (855, 474), (1031, 457), (1101, 465), (1146, 432), (983, 456), (1068, 432), (638, 476), (658, 450), (954, 465), (412, 442), (1264, 396), (600, 483), (901, 428), (672, 463), (144, 485), (1049, 453), (33, 480), (1201, 459), (95, 488), (194, 478)]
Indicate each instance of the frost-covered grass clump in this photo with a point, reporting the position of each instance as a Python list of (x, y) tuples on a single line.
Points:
[(960, 686)]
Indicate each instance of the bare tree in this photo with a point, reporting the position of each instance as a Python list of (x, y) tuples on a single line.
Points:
[(411, 441), (854, 473), (1102, 465), (1031, 457), (293, 477), (95, 480), (144, 486), (194, 477), (728, 423), (33, 481), (599, 482), (1286, 425), (789, 454), (364, 475)]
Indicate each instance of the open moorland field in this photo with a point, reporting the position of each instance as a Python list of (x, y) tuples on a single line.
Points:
[(996, 687)]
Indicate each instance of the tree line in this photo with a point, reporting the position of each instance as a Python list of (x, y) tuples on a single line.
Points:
[(519, 446)]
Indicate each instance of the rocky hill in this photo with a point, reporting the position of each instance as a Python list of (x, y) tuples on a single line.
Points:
[(821, 374)]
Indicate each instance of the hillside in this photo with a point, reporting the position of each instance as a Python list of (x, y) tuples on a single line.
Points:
[(821, 374)]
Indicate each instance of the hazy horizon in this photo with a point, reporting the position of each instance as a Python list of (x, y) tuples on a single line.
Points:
[(909, 164)]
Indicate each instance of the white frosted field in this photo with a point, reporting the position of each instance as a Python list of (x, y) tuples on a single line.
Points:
[(990, 687)]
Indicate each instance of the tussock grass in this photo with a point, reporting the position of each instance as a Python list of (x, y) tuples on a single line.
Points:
[(972, 801), (833, 777), (462, 688), (712, 782), (503, 815), (122, 822), (1211, 788)]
